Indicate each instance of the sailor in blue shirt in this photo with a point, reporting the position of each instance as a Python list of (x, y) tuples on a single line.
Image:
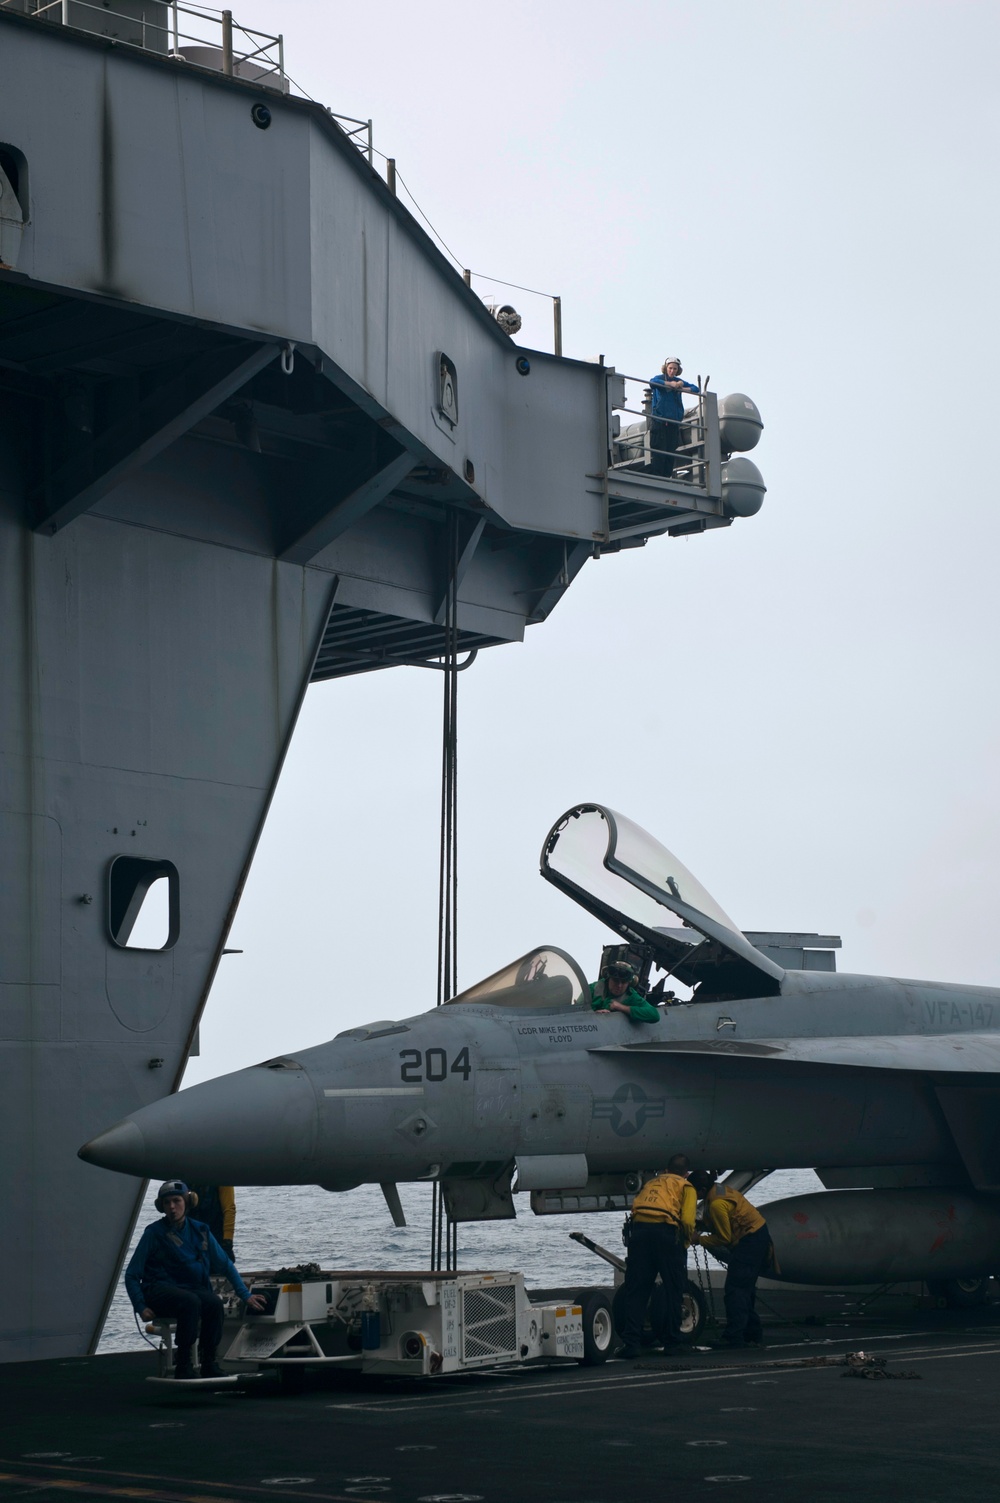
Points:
[(169, 1274), (667, 414)]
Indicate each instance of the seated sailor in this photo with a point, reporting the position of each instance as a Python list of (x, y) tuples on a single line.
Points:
[(169, 1275)]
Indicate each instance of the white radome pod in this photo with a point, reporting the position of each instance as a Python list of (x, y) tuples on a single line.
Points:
[(743, 487), (740, 423)]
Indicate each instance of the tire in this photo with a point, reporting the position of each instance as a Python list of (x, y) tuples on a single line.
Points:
[(694, 1313), (618, 1311), (960, 1294), (598, 1329), (692, 1316)]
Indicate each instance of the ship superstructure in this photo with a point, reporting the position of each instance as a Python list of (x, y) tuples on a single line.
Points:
[(253, 429)]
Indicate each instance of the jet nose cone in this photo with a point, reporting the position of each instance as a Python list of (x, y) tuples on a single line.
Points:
[(256, 1127), (122, 1147)]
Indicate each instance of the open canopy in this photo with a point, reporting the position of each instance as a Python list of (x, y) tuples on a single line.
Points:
[(619, 873)]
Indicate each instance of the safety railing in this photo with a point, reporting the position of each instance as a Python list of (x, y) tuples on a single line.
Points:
[(674, 449), (359, 133), (198, 34)]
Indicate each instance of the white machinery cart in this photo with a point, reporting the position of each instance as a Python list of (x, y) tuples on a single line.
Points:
[(412, 1324)]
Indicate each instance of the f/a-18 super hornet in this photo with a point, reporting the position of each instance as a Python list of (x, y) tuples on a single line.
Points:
[(887, 1088)]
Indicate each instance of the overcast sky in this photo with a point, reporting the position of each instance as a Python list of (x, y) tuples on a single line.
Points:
[(799, 199)]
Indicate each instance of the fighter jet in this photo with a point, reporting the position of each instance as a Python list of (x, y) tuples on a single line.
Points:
[(888, 1088)]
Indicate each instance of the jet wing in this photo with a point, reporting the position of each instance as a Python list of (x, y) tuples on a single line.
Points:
[(954, 1053)]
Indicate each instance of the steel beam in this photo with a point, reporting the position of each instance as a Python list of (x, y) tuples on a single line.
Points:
[(153, 424), (548, 596), (466, 554), (348, 509)]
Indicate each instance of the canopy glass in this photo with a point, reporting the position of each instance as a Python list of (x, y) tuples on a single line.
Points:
[(545, 977), (617, 861), (635, 885)]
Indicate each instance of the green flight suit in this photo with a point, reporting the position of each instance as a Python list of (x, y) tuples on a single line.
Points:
[(640, 1010)]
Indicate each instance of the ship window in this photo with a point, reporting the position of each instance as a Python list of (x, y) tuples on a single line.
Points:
[(15, 169), (143, 904)]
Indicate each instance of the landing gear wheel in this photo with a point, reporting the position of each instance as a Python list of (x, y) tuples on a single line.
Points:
[(693, 1314), (960, 1294), (598, 1329)]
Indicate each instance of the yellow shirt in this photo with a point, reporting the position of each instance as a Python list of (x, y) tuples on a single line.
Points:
[(731, 1217), (227, 1200), (667, 1198)]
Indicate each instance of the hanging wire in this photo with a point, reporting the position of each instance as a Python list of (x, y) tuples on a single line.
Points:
[(535, 291), (438, 237), (444, 1232)]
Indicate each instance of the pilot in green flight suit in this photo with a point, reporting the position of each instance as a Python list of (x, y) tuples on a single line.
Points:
[(615, 993)]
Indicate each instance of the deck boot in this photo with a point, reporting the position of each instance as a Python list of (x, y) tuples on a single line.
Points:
[(183, 1366), (209, 1367)]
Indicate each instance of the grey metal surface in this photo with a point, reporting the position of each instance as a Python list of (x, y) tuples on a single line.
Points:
[(241, 396), (289, 233), (147, 690)]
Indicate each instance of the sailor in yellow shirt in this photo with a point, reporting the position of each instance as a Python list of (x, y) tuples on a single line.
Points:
[(739, 1232), (662, 1226), (216, 1206)]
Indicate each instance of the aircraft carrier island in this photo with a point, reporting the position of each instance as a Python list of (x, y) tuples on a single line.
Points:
[(256, 432)]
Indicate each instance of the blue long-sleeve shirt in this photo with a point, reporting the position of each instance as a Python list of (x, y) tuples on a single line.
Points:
[(186, 1257), (667, 402)]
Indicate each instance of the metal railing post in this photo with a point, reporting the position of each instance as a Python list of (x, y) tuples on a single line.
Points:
[(227, 43), (711, 477), (371, 153), (65, 12), (281, 57), (177, 30), (557, 325), (467, 277), (390, 173)]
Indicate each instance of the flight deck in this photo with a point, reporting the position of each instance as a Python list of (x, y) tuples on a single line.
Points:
[(793, 1421)]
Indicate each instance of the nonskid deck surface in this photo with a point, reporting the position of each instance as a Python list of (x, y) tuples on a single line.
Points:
[(788, 1420)]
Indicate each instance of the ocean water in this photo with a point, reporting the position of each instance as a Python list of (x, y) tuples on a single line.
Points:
[(289, 1224)]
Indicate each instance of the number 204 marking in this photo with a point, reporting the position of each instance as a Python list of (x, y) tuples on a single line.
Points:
[(432, 1065)]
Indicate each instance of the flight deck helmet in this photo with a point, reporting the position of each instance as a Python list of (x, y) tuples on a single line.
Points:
[(175, 1187), (620, 970)]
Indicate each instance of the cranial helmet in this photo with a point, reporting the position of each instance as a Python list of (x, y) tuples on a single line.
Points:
[(672, 360), (621, 971), (175, 1187)]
